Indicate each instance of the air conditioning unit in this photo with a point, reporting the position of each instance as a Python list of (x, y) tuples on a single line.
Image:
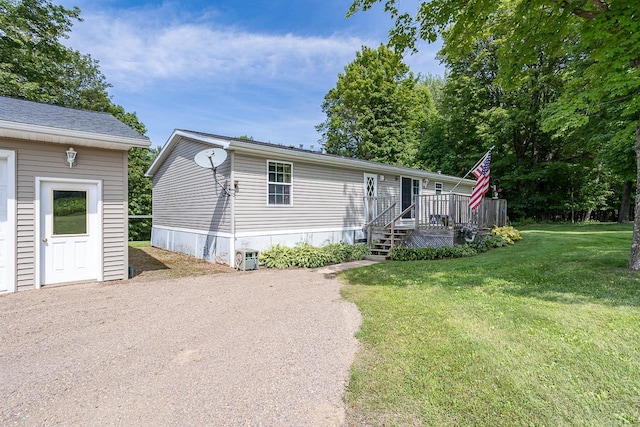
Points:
[(246, 259)]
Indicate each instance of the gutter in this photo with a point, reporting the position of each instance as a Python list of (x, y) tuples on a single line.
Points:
[(54, 135)]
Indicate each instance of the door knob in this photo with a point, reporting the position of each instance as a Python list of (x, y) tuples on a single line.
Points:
[(44, 239)]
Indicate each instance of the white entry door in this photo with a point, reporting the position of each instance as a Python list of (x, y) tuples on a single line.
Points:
[(7, 221), (70, 232), (370, 196)]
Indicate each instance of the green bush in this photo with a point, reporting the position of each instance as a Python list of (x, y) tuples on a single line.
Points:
[(337, 252), (500, 236), (484, 243), (277, 257), (307, 256), (509, 234), (400, 253), (358, 251)]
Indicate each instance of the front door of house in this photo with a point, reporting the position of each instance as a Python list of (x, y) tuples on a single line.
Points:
[(7, 221), (70, 229), (370, 196), (409, 190)]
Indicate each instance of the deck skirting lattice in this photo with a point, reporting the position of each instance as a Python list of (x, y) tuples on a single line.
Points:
[(429, 239)]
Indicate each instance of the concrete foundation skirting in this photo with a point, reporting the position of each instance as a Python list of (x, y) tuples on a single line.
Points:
[(201, 245), (217, 248)]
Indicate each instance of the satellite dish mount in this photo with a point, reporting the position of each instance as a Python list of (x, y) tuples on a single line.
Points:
[(211, 158)]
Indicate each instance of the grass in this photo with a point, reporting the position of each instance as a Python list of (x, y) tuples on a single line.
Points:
[(140, 244), (546, 332)]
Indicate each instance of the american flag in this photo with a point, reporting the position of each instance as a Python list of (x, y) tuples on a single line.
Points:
[(482, 186)]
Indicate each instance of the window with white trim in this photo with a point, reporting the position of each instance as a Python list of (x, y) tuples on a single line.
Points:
[(280, 182), (439, 186)]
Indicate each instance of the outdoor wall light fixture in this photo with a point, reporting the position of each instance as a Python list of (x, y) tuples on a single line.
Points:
[(381, 177), (71, 156)]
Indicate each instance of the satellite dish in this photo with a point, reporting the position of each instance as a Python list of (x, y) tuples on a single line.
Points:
[(210, 158)]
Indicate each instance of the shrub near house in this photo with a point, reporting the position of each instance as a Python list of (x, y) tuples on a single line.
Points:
[(307, 256), (499, 236)]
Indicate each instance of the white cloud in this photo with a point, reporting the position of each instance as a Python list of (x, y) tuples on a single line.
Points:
[(181, 68), (136, 50)]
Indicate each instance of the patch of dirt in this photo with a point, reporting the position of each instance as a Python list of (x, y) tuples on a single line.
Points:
[(151, 263)]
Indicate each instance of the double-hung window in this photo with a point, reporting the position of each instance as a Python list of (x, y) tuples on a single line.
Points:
[(280, 182), (439, 187)]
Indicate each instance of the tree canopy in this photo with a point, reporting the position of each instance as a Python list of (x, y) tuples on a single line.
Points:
[(377, 110)]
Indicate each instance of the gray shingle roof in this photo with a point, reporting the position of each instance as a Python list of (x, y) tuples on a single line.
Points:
[(35, 113)]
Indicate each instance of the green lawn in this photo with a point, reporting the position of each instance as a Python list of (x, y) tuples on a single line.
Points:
[(139, 244), (545, 332)]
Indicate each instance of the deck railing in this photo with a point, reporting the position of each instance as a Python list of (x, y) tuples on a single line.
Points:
[(452, 210), (379, 211), (436, 211)]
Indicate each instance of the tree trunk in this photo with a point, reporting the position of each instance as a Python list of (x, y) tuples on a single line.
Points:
[(634, 258), (625, 202)]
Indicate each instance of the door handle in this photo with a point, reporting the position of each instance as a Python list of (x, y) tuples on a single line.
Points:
[(44, 239)]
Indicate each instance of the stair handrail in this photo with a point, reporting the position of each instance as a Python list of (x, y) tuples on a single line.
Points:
[(393, 221), (373, 221), (367, 226)]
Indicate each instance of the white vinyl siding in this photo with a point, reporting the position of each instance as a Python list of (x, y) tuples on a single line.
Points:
[(49, 160), (186, 195), (324, 197)]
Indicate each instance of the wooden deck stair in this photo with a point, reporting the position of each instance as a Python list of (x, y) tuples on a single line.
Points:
[(383, 246)]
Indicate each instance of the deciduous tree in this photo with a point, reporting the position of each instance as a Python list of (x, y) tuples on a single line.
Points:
[(376, 110)]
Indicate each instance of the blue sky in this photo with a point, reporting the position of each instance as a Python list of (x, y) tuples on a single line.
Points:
[(257, 68)]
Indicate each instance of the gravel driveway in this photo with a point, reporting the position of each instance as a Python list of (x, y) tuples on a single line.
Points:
[(266, 347)]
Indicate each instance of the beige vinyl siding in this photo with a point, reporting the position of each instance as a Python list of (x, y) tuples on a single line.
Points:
[(186, 195), (323, 197), (390, 187), (35, 159)]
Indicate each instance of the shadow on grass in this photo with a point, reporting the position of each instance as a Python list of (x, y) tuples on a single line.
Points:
[(142, 262)]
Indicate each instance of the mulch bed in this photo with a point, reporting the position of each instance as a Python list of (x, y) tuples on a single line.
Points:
[(151, 263)]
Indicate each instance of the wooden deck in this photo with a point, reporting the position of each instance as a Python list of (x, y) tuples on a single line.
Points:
[(432, 220)]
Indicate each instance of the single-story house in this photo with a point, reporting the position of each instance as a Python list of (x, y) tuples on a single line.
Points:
[(63, 195), (213, 195)]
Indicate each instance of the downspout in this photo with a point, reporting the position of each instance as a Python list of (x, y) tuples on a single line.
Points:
[(127, 273), (232, 240)]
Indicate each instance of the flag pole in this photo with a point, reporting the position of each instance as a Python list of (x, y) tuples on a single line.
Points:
[(472, 169)]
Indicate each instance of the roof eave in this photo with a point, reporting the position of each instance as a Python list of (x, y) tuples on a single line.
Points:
[(283, 152), (54, 135), (349, 162), (173, 140)]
